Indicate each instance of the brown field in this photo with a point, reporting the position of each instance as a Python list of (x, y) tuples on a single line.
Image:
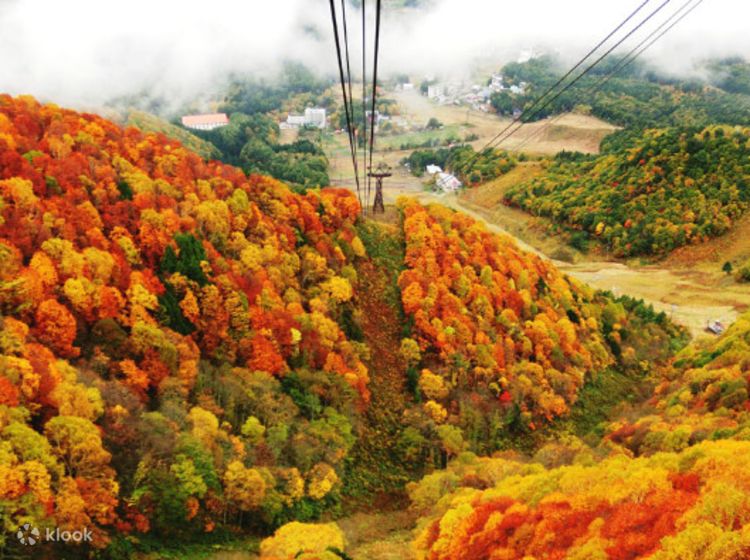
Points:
[(569, 132)]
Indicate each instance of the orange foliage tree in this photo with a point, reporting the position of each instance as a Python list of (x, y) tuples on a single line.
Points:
[(138, 280)]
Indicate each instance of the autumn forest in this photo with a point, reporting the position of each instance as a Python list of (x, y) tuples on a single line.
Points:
[(214, 345), (184, 351)]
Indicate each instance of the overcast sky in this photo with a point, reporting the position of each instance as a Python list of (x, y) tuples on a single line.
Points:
[(83, 52)]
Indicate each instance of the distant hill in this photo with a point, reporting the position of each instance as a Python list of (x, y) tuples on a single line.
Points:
[(648, 193), (730, 74), (638, 97), (151, 123)]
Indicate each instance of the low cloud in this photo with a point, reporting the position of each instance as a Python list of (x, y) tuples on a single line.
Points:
[(85, 52), (454, 33)]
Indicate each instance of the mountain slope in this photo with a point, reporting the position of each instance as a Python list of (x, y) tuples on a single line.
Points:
[(167, 322), (647, 194), (500, 342), (184, 349), (151, 123), (670, 481), (636, 96)]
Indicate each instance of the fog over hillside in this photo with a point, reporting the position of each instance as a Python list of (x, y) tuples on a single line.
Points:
[(83, 52)]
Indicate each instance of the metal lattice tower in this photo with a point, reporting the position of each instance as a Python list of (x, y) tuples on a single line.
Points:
[(381, 172)]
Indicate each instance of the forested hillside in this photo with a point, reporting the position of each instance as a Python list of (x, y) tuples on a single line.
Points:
[(251, 140), (673, 484), (170, 342), (677, 505), (703, 396), (636, 96), (648, 193), (183, 346)]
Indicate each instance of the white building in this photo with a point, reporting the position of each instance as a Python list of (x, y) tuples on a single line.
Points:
[(497, 82), (315, 116), (447, 182), (294, 121), (205, 122), (433, 169)]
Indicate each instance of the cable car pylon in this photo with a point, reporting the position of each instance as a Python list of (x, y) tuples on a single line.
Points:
[(382, 171)]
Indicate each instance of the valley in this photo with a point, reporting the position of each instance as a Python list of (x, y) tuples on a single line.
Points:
[(571, 132), (690, 289)]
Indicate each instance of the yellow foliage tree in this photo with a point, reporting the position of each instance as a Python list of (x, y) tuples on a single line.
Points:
[(295, 539), (433, 385), (435, 411), (321, 480), (339, 289), (410, 351), (243, 486)]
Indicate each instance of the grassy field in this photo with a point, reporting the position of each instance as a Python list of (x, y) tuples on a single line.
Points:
[(491, 194), (232, 549), (420, 137), (569, 132)]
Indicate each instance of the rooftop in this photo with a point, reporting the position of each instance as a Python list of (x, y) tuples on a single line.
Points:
[(212, 118)]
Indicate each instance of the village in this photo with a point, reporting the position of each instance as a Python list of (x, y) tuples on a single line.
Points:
[(415, 112)]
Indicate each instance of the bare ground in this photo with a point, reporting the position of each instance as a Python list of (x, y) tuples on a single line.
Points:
[(385, 536), (734, 246)]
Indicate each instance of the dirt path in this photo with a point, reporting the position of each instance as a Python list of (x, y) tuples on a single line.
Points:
[(378, 476), (382, 327)]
